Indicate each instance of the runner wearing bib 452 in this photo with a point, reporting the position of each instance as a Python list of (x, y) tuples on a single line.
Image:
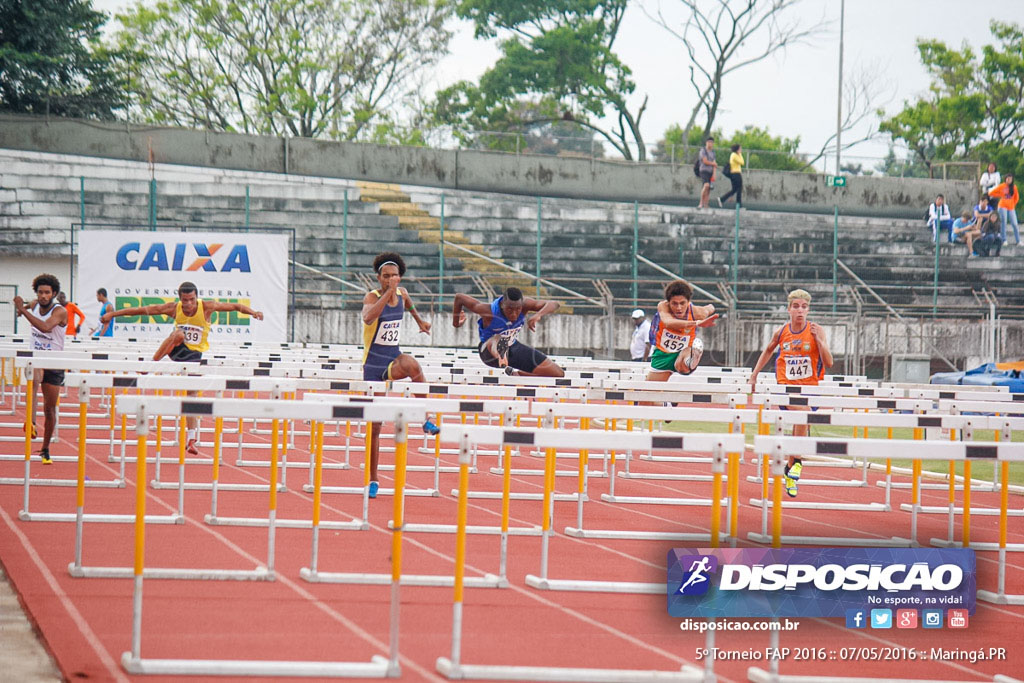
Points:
[(803, 356), (188, 339), (674, 341)]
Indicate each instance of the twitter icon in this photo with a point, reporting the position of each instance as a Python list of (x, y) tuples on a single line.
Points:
[(881, 618)]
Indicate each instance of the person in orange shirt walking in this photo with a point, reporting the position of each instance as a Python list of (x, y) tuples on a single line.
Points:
[(1007, 196), (802, 359), (73, 312)]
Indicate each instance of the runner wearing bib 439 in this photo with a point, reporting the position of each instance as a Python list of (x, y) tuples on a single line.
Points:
[(188, 339), (803, 356)]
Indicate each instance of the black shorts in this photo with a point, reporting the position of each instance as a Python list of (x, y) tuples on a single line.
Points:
[(705, 176), (183, 354), (520, 357), (54, 377)]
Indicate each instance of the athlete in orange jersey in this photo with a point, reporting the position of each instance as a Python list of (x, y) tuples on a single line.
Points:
[(674, 341), (75, 315), (803, 358)]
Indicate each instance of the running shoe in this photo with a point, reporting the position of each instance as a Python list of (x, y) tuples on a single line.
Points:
[(696, 352), (510, 371), (45, 455), (502, 348), (794, 470), (790, 487), (373, 489), (192, 447), (430, 428)]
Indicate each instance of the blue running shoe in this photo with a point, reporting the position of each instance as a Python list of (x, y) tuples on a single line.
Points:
[(430, 428), (373, 489)]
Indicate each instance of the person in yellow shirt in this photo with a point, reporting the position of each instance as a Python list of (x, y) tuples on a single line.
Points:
[(734, 172), (188, 339)]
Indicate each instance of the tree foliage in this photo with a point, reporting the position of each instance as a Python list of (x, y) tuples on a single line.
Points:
[(556, 55), (761, 149), (53, 62), (974, 108), (306, 68)]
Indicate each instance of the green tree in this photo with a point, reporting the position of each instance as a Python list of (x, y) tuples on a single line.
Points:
[(52, 60), (974, 109), (306, 68), (761, 149), (555, 53)]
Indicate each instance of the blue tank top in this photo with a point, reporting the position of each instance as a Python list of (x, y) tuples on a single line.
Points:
[(500, 325), (380, 337)]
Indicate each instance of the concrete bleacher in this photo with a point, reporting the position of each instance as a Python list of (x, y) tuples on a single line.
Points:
[(582, 240)]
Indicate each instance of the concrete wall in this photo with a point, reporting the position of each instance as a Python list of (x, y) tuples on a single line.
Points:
[(472, 170)]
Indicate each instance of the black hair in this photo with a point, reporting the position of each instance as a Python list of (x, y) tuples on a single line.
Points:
[(735, 147), (46, 279), (187, 288), (939, 196), (102, 291), (984, 198), (709, 138), (678, 288), (513, 294), (379, 262)]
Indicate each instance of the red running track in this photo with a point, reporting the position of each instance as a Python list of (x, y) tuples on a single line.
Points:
[(86, 623)]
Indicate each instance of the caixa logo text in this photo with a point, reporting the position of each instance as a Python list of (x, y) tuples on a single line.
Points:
[(183, 257)]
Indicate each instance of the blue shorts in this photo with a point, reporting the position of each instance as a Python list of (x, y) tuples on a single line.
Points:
[(373, 372)]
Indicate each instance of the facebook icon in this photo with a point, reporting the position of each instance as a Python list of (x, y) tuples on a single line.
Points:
[(856, 618)]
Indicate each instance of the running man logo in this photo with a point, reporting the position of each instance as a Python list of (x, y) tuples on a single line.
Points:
[(696, 579), (200, 258)]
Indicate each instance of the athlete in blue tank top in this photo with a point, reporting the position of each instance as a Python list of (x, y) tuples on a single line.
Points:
[(500, 323), (383, 360)]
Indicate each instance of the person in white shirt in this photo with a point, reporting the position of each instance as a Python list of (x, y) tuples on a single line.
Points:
[(989, 179), (640, 344), (939, 218)]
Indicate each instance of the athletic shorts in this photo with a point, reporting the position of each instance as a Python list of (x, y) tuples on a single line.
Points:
[(665, 362), (705, 176), (375, 372), (53, 377), (183, 354), (520, 357)]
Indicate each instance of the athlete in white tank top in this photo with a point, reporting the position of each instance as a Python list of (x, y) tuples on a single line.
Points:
[(52, 340)]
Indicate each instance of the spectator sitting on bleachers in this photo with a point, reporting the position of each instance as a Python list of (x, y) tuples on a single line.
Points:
[(965, 229), (939, 218), (990, 243), (984, 212)]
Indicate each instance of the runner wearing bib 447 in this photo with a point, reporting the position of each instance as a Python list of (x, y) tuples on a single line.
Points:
[(500, 323), (676, 346), (188, 339), (802, 358)]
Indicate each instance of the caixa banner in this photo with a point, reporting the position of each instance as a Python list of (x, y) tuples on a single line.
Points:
[(144, 268), (817, 582)]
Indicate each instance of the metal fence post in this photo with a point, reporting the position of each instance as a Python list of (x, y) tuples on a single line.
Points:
[(538, 245), (835, 256), (440, 261), (344, 246), (636, 245), (736, 256), (152, 203), (247, 208), (935, 274)]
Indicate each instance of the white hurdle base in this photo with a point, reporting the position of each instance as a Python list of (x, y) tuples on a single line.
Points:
[(591, 474), (96, 517), (208, 486), (801, 505), (838, 541), (378, 667), (575, 585), (664, 477), (655, 500), (353, 525), (561, 497), (101, 484), (641, 535), (458, 672), (757, 675), (258, 574), (854, 483), (946, 543), (482, 530), (359, 490), (438, 581), (944, 510), (1001, 598)]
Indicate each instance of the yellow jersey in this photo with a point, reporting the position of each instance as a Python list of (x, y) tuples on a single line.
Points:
[(195, 327)]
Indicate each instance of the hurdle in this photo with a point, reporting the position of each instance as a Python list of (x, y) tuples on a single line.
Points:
[(454, 669), (401, 412), (133, 662)]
